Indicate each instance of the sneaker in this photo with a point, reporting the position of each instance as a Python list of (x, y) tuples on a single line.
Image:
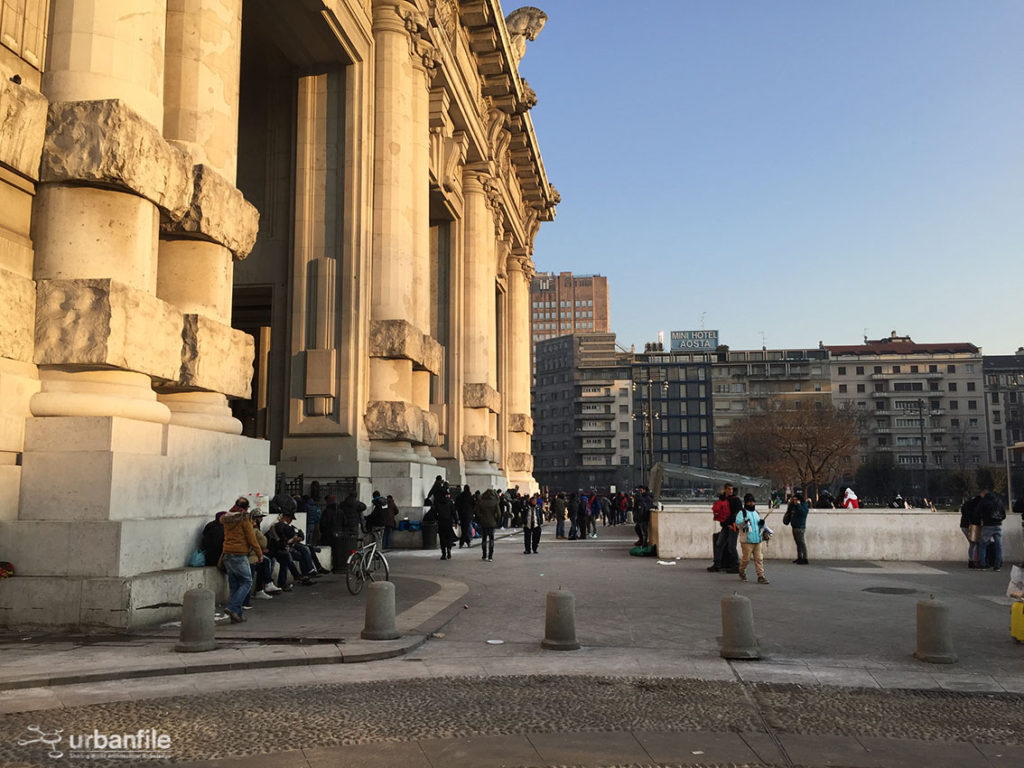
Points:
[(743, 576), (286, 588), (490, 559), (716, 569), (272, 589), (762, 580), (998, 568), (236, 618), (246, 607), (262, 595), (306, 582), (732, 570)]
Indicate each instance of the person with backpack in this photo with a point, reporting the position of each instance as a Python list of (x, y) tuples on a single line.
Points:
[(720, 512), (752, 532)]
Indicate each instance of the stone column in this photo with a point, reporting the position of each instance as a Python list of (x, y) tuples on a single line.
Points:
[(203, 56), (519, 422), (481, 400), (402, 354), (105, 66)]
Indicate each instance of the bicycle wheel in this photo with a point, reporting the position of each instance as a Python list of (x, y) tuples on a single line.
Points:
[(378, 570), (354, 573)]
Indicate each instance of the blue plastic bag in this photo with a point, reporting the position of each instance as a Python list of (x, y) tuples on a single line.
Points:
[(198, 559)]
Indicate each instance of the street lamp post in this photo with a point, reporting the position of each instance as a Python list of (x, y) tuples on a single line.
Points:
[(647, 416), (924, 456)]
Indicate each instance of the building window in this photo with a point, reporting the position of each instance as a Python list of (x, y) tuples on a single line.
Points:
[(877, 369), (860, 387), (952, 386), (842, 370), (950, 369), (860, 370), (896, 369), (842, 389), (933, 369), (970, 386), (913, 369), (954, 405), (972, 405)]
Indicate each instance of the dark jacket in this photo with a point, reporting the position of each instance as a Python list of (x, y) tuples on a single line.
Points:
[(991, 510), (487, 512), (330, 521), (377, 517), (798, 513), (352, 514), (212, 542), (464, 506)]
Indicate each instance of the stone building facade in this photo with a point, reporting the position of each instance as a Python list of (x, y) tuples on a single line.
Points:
[(236, 234)]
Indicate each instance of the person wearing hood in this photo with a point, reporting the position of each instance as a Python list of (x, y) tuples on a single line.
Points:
[(487, 515), (750, 527), (446, 516), (464, 507), (239, 540)]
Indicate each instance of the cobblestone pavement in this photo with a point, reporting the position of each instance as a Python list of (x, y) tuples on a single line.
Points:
[(226, 724), (648, 687)]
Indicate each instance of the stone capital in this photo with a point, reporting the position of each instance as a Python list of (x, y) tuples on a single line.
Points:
[(394, 420), (103, 323), (480, 448), (108, 144), (520, 462), (216, 357), (400, 339), (520, 422), (217, 212), (481, 396)]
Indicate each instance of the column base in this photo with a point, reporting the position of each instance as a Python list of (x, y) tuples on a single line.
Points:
[(408, 482), (201, 410)]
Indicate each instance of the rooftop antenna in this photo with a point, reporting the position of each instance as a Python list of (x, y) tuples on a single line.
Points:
[(865, 335), (702, 320), (764, 344)]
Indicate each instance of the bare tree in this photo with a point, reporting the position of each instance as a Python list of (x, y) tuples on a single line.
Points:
[(802, 445)]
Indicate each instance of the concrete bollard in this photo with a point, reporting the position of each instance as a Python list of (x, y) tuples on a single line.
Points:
[(380, 612), (738, 638), (934, 636), (560, 622), (197, 625)]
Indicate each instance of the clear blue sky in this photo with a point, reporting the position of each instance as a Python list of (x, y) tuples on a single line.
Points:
[(809, 169)]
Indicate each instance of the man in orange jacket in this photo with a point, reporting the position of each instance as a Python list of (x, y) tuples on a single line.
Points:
[(239, 540)]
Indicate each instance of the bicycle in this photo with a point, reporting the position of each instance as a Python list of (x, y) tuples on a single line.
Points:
[(365, 564)]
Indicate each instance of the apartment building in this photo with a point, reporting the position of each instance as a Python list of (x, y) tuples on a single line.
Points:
[(567, 303), (924, 404), (1004, 404)]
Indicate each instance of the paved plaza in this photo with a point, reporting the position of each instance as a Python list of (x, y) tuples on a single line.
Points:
[(837, 684)]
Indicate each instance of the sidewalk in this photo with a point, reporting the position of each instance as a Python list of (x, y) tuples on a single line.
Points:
[(836, 685)]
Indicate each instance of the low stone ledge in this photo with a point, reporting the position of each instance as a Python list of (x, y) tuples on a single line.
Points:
[(217, 212), (23, 116), (18, 308), (479, 448), (108, 144), (520, 462), (401, 340), (101, 322), (520, 422), (216, 357), (481, 396), (394, 420)]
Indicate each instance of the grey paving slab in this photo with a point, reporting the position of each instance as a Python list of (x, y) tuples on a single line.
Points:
[(844, 676), (586, 748), (291, 759), (377, 755), (824, 751), (900, 753), (696, 747), (1002, 755), (481, 752), (762, 745)]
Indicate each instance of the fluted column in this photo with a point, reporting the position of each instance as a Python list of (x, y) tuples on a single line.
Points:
[(481, 400), (95, 245), (402, 353), (518, 420), (203, 56)]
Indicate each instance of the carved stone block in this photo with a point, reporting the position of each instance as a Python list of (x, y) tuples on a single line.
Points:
[(216, 357), (218, 212), (400, 339), (520, 462), (23, 116), (432, 356), (101, 322), (481, 396), (520, 422), (431, 429), (394, 420), (107, 143), (479, 448), (18, 308)]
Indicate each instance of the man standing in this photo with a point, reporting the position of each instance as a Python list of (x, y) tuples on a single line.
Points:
[(487, 513), (239, 540), (558, 510), (725, 546), (642, 515), (533, 518), (464, 507), (797, 515), (990, 547)]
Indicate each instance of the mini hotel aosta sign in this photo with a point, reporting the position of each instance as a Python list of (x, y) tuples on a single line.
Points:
[(694, 341)]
